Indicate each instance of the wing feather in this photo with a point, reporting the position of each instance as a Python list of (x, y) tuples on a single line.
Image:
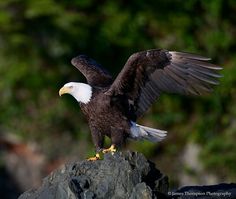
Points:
[(203, 77), (149, 73), (95, 74), (189, 55)]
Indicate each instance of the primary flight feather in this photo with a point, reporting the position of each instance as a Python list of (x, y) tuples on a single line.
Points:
[(112, 107)]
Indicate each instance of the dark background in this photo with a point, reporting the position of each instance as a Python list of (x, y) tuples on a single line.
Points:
[(40, 131)]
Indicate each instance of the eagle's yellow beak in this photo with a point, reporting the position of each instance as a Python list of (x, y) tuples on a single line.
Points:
[(64, 90)]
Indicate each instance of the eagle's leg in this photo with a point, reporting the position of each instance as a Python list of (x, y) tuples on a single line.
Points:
[(117, 139), (98, 140)]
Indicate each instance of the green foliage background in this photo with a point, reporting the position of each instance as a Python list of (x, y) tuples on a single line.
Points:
[(39, 38)]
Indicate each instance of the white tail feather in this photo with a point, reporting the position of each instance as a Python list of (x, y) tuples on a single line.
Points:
[(140, 132)]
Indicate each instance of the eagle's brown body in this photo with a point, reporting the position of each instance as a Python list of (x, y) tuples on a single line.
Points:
[(105, 117)]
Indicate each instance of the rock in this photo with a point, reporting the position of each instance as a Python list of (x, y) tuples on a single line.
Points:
[(122, 175)]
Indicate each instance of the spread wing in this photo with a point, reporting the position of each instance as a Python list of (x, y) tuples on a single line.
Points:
[(93, 72), (149, 73)]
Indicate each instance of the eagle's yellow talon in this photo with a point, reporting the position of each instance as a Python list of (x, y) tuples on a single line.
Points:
[(112, 149), (97, 157)]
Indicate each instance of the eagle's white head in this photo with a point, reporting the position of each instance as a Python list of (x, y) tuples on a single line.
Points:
[(80, 91)]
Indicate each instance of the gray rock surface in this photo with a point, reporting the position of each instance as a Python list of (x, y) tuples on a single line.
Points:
[(122, 175)]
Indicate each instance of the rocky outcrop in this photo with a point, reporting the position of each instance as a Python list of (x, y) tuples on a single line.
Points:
[(122, 175)]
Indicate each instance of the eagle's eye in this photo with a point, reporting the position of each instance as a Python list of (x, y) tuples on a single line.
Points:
[(70, 86)]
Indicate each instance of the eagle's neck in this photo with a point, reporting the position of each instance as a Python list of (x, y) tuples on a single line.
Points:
[(82, 92)]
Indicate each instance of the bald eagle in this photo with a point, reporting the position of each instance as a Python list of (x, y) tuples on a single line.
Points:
[(113, 106)]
